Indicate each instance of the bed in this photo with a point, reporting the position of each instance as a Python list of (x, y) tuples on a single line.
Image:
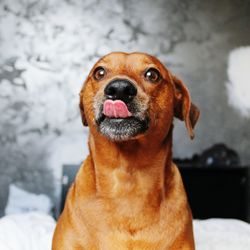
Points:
[(34, 230)]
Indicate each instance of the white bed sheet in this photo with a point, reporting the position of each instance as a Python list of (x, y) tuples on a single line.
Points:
[(33, 231), (221, 234)]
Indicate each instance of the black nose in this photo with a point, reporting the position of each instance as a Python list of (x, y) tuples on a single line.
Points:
[(120, 89)]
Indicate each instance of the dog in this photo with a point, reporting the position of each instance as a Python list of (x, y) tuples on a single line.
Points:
[(128, 194)]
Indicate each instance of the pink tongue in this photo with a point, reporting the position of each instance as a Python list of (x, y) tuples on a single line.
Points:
[(117, 109)]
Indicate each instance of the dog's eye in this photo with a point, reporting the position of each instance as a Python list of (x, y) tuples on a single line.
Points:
[(152, 75), (99, 73)]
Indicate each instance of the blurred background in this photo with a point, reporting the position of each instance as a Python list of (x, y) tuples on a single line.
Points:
[(48, 47)]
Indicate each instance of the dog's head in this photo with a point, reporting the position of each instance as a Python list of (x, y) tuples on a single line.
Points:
[(127, 96)]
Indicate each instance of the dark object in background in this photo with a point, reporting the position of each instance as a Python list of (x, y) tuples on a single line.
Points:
[(216, 184), (69, 173), (217, 155), (219, 192)]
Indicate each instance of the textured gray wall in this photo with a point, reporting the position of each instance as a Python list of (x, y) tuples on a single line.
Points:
[(47, 48)]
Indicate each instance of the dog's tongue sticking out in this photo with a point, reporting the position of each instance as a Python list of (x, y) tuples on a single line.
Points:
[(116, 109)]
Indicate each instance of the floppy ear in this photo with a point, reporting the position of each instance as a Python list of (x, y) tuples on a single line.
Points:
[(84, 121), (184, 109)]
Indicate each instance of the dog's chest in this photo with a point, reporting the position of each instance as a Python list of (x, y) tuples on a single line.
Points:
[(124, 226), (124, 241), (124, 237)]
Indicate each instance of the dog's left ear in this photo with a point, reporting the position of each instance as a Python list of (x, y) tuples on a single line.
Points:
[(184, 109), (84, 121)]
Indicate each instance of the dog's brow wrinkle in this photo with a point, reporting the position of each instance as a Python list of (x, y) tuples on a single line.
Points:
[(147, 61), (103, 60)]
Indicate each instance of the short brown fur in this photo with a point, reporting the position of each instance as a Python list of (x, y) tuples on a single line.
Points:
[(129, 194)]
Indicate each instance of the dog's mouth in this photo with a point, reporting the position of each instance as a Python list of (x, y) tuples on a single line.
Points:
[(116, 109), (120, 121)]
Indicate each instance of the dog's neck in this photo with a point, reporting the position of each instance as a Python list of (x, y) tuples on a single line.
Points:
[(136, 168)]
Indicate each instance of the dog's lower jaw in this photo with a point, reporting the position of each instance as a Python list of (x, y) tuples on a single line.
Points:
[(119, 129)]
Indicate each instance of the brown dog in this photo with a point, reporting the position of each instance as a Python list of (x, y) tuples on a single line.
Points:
[(128, 194)]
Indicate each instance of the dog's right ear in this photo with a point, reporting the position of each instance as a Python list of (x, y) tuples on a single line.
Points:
[(84, 121)]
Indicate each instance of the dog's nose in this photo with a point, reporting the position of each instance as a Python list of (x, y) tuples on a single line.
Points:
[(120, 89)]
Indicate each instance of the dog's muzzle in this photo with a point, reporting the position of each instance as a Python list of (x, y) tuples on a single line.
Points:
[(118, 94), (119, 115)]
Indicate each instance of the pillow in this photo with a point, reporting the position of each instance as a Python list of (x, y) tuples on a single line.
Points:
[(21, 201)]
